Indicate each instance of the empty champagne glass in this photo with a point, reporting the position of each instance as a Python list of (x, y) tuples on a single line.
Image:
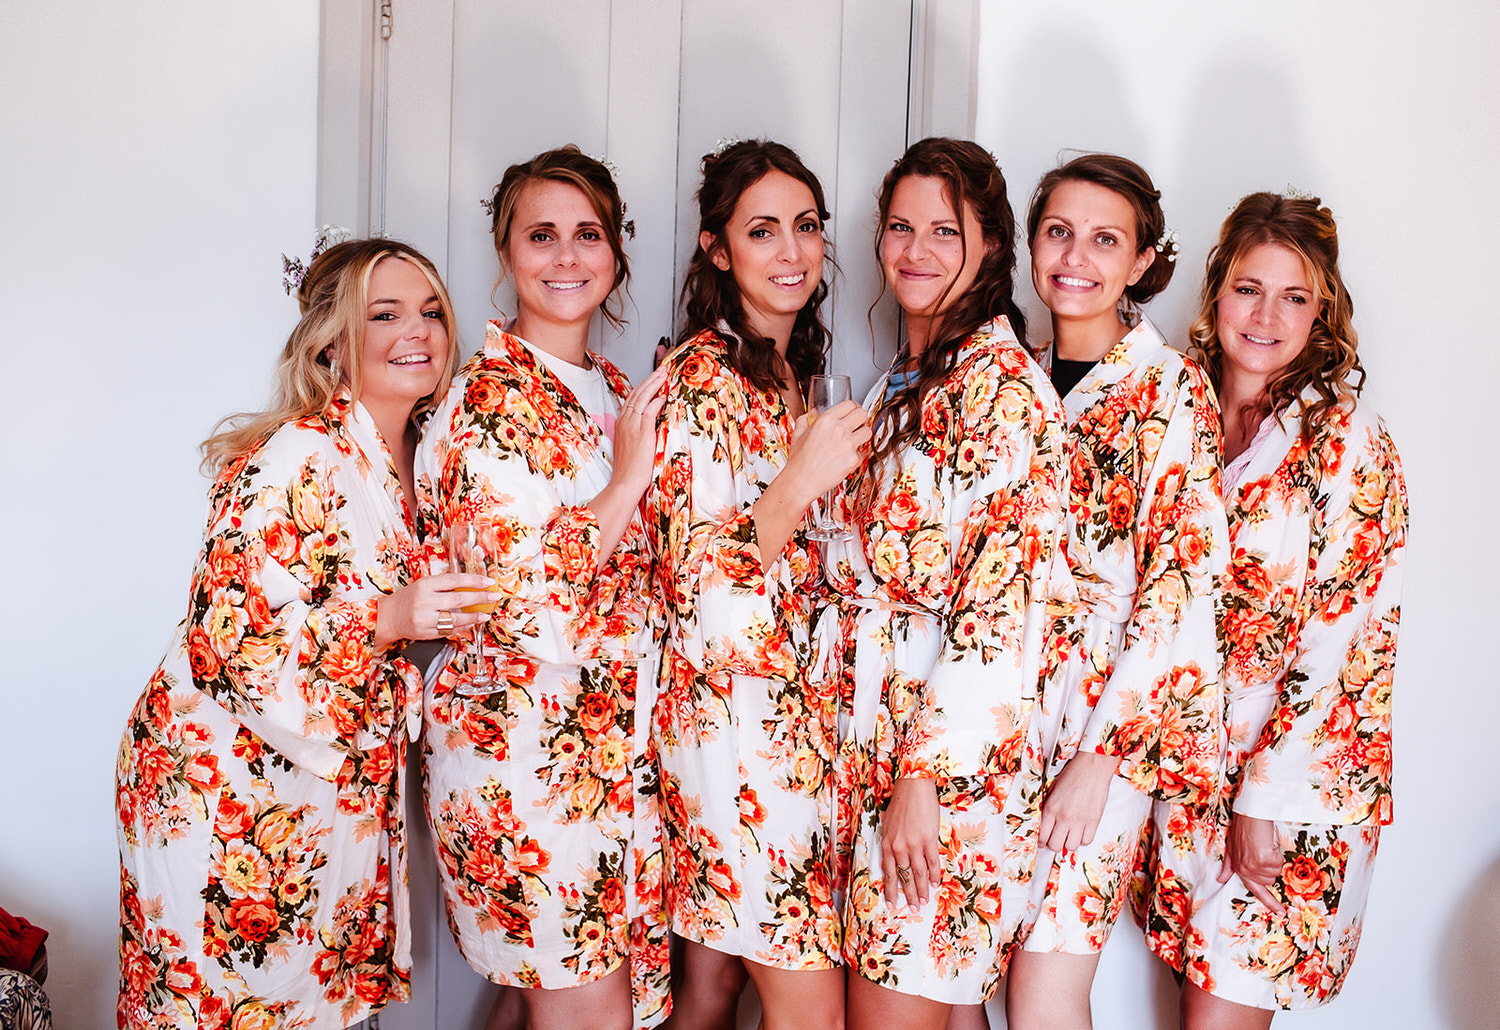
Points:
[(825, 392)]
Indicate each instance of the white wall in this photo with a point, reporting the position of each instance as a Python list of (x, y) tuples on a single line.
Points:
[(1388, 110), (156, 158)]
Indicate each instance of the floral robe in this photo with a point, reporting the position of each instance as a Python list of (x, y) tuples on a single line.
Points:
[(263, 872), (936, 639), (1137, 676), (541, 794), (1310, 613), (746, 743)]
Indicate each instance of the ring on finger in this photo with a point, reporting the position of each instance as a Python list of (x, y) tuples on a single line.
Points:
[(903, 873), (445, 622)]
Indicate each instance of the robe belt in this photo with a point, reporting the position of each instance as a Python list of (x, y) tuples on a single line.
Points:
[(868, 677)]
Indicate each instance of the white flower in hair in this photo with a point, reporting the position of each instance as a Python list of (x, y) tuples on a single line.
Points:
[(609, 166), (1167, 245), (724, 143), (294, 270), (1293, 193)]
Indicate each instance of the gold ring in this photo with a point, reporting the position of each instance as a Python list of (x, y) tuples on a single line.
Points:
[(445, 622), (903, 873)]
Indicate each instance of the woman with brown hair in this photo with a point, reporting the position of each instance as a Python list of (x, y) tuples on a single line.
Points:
[(263, 872), (538, 786), (1258, 902), (940, 605), (1131, 709), (746, 741)]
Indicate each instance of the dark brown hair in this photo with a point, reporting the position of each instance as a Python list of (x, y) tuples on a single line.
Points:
[(971, 179), (1123, 177), (1330, 361), (710, 295), (590, 177)]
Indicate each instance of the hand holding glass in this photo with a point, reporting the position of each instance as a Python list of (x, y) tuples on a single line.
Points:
[(825, 392)]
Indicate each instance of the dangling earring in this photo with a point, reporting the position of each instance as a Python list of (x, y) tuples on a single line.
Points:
[(333, 370)]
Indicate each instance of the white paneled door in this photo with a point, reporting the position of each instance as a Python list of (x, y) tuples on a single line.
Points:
[(425, 102)]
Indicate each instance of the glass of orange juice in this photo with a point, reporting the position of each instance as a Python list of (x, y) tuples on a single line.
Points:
[(474, 547)]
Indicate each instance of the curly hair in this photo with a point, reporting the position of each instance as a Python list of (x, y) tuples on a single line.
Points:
[(569, 165), (972, 181), (332, 298), (1330, 361), (710, 295), (1129, 181)]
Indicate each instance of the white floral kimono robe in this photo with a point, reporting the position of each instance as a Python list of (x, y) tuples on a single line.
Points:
[(1138, 672), (1312, 603), (746, 742), (263, 873), (541, 794), (936, 636)]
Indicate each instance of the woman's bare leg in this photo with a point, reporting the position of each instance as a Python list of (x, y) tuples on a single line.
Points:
[(1202, 1011), (968, 1017), (603, 1004), (1049, 990), (706, 988), (799, 999), (873, 1007), (509, 1010)]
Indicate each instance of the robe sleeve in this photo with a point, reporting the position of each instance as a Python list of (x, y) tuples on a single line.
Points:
[(1006, 478), (1325, 754), (724, 614), (1160, 711), (502, 458), (271, 634)]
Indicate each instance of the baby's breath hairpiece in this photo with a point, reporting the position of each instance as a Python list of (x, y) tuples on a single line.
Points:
[(627, 226), (294, 270), (725, 142), (1293, 193), (1166, 244)]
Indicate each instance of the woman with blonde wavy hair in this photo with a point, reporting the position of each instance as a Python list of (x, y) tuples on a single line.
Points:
[(263, 877), (1258, 902)]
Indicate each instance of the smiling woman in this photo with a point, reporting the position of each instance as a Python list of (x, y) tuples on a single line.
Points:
[(536, 772), (263, 857)]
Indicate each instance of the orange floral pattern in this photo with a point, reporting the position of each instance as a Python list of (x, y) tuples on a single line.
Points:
[(1138, 672), (746, 742), (542, 794), (263, 876), (936, 644), (1311, 609)]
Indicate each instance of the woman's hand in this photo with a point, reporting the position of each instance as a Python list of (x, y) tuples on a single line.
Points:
[(414, 611), (1075, 801), (1253, 854), (635, 436), (826, 447), (909, 843)]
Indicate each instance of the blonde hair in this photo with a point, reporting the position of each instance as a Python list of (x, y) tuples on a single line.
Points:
[(333, 297), (1330, 361)]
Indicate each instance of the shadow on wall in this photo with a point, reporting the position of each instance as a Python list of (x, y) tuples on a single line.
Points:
[(1245, 132), (1064, 78), (1468, 970)]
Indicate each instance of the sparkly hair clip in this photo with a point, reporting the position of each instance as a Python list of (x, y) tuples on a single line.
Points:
[(1166, 244), (294, 270), (488, 203), (725, 142), (1293, 193)]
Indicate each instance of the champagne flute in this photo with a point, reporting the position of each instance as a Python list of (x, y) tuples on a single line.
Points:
[(473, 547), (825, 392)]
